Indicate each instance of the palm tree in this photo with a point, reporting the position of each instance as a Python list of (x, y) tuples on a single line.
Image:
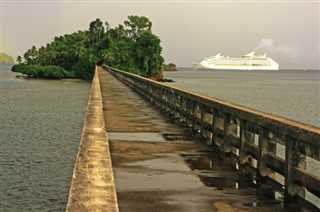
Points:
[(50, 54), (96, 29), (26, 56), (80, 50), (41, 59), (19, 59), (34, 52), (120, 31), (107, 26), (137, 25), (108, 56)]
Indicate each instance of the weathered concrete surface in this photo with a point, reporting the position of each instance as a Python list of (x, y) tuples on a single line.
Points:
[(92, 186), (159, 166)]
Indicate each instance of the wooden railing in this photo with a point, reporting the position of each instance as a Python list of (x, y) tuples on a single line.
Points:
[(269, 144)]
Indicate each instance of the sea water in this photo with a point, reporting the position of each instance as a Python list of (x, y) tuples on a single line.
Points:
[(41, 126), (293, 94)]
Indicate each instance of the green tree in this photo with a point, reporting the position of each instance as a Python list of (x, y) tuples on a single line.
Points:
[(19, 59), (108, 57), (148, 53), (31, 55), (118, 33), (52, 72), (79, 50), (33, 52), (137, 25), (106, 23), (51, 55), (96, 30), (26, 57)]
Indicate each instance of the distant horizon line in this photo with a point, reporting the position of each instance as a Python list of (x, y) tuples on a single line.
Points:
[(191, 67)]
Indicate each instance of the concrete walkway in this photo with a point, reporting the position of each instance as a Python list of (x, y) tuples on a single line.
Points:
[(160, 166), (155, 164)]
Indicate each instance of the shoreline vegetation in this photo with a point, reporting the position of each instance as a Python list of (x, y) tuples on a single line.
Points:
[(130, 46)]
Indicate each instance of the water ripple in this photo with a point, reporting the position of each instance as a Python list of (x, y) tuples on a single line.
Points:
[(41, 124)]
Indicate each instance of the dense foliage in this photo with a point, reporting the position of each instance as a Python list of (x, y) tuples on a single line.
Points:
[(48, 72), (131, 47), (5, 58), (169, 67)]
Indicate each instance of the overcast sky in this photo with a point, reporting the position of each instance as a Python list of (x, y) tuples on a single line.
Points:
[(189, 30)]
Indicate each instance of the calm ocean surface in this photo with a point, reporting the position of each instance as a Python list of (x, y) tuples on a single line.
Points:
[(294, 94), (41, 125)]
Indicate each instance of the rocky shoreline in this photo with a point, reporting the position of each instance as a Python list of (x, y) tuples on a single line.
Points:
[(160, 78)]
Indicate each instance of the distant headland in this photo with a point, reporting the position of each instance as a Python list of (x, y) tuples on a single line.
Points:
[(6, 59)]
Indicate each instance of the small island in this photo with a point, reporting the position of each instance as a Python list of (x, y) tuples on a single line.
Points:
[(6, 59), (130, 46), (169, 67)]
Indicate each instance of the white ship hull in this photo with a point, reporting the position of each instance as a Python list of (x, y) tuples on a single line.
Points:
[(244, 68), (246, 62)]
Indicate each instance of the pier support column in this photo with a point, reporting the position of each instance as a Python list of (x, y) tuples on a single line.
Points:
[(245, 138), (294, 159), (264, 147), (229, 129)]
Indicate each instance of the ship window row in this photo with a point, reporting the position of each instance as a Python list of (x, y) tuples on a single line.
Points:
[(241, 62)]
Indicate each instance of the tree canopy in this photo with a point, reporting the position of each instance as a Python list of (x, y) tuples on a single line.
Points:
[(131, 47)]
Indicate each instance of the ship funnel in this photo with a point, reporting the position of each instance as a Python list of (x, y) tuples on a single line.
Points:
[(251, 54), (218, 55)]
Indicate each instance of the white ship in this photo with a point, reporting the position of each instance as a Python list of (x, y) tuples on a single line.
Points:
[(246, 62)]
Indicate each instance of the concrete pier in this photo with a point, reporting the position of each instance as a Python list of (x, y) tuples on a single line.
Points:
[(276, 150), (189, 153), (160, 165)]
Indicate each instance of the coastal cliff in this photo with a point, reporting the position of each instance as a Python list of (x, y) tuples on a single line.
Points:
[(159, 77)]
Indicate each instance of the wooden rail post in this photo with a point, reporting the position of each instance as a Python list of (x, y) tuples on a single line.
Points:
[(294, 159), (215, 125), (181, 111), (159, 98), (175, 115), (163, 100), (194, 118), (206, 117), (172, 104), (202, 119), (264, 147), (188, 107), (190, 112), (227, 131), (168, 101), (245, 138)]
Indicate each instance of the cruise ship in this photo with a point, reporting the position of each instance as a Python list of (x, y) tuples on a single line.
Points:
[(246, 62)]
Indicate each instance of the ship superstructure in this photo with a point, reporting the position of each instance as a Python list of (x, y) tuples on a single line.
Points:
[(246, 62)]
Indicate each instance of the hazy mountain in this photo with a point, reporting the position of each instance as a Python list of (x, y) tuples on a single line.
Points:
[(5, 58)]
